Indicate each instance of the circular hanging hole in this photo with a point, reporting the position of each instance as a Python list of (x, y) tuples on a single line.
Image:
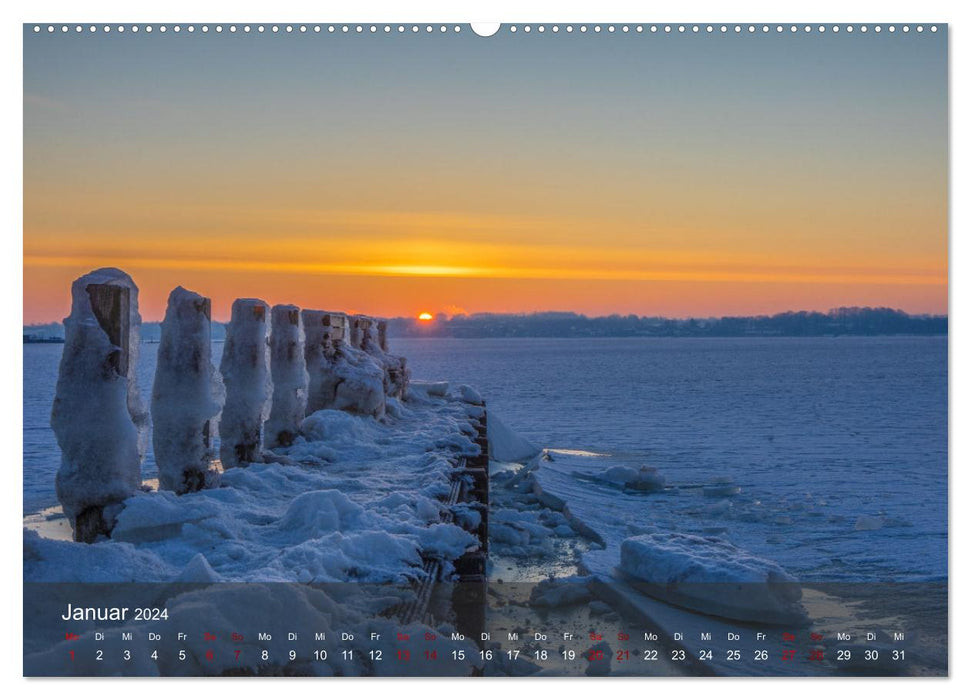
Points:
[(485, 28)]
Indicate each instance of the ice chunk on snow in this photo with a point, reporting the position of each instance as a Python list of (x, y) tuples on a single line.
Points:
[(288, 367), (437, 389), (318, 512), (245, 368), (692, 572), (470, 395), (556, 593), (184, 396), (198, 571), (505, 445), (98, 416), (643, 479)]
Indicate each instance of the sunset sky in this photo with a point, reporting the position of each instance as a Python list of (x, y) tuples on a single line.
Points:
[(646, 173)]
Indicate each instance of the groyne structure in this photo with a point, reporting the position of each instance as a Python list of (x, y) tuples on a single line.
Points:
[(278, 366)]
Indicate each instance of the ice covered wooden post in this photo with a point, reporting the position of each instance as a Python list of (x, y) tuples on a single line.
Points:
[(383, 335), (184, 400), (323, 332), (98, 416), (375, 343), (336, 324), (245, 368), (360, 329), (364, 328), (288, 366)]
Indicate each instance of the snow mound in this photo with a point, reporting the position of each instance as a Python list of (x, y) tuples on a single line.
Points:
[(337, 427), (470, 395), (692, 572), (507, 446), (319, 512), (153, 517), (198, 571)]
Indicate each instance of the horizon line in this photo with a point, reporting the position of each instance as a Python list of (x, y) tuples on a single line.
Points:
[(451, 317)]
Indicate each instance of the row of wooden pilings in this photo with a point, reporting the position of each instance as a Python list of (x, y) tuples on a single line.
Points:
[(466, 596), (278, 366)]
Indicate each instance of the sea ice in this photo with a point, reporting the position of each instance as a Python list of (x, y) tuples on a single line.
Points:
[(692, 572), (505, 445), (643, 479)]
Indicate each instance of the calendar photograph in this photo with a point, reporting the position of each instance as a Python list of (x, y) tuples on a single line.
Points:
[(485, 350)]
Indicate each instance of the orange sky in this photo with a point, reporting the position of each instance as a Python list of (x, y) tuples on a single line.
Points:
[(794, 173)]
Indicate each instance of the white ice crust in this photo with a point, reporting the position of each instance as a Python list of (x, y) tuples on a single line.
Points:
[(245, 370), (98, 417), (361, 382), (505, 445), (185, 395), (288, 366)]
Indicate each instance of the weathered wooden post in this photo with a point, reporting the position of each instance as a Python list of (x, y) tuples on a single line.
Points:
[(184, 397), (98, 416), (245, 368), (288, 366)]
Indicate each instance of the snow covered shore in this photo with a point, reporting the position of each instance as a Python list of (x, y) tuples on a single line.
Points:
[(353, 499), (353, 508)]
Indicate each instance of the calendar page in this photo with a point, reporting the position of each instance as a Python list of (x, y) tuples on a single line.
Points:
[(605, 349)]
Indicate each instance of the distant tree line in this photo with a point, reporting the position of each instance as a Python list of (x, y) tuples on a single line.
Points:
[(852, 320), (841, 321)]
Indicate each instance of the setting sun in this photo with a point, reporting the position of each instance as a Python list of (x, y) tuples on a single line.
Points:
[(424, 316)]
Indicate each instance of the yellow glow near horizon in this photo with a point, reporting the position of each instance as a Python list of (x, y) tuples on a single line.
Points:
[(425, 316)]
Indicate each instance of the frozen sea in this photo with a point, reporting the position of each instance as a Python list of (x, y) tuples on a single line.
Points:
[(838, 444)]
